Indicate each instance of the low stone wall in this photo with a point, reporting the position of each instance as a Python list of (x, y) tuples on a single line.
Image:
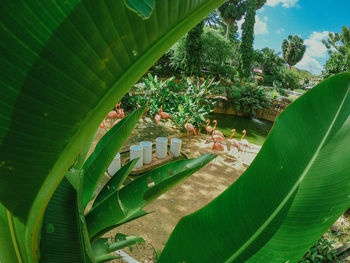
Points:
[(269, 114)]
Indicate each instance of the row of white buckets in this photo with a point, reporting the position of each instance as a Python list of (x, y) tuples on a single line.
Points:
[(143, 151)]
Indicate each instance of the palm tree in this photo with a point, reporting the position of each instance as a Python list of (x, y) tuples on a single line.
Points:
[(293, 50)]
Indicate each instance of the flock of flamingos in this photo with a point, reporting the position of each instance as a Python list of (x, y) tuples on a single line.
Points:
[(213, 135)]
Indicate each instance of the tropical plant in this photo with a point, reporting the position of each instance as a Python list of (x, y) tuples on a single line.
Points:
[(246, 48), (293, 50), (67, 63), (338, 46), (191, 97), (197, 102), (278, 208), (233, 10)]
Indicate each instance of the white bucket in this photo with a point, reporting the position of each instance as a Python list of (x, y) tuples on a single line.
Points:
[(136, 151), (115, 165), (161, 147), (147, 151), (175, 147)]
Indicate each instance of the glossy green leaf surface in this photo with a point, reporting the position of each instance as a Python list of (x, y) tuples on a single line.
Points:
[(305, 161), (129, 200), (64, 66), (115, 182), (109, 145), (61, 240)]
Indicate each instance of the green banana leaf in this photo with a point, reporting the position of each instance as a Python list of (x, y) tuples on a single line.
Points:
[(61, 239), (109, 145), (65, 65), (129, 200), (115, 182), (305, 161)]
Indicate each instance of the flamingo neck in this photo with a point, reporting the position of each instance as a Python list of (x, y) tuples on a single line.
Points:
[(187, 119), (216, 123), (232, 135), (208, 122), (243, 136)]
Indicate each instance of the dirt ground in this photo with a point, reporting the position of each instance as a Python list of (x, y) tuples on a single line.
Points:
[(194, 193)]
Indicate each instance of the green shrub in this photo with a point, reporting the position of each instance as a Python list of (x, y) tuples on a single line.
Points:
[(273, 94), (321, 251), (247, 99)]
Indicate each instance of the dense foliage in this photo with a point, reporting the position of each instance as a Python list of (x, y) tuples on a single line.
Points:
[(193, 50), (246, 99), (219, 56), (338, 46), (293, 49), (190, 97), (246, 47)]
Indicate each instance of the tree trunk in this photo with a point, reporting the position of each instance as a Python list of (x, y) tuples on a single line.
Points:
[(227, 31)]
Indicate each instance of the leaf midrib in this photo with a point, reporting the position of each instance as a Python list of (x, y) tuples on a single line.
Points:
[(291, 192)]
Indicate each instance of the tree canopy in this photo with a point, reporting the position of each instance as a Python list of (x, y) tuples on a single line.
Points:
[(338, 46), (293, 49)]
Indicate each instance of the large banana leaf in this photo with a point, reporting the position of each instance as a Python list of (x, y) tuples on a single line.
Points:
[(304, 167), (64, 65)]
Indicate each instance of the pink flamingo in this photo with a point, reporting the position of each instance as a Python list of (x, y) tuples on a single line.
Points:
[(216, 131), (208, 128), (244, 142), (234, 142), (157, 118), (163, 114), (112, 114), (189, 127)]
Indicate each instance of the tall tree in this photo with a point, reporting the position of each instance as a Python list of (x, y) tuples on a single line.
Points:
[(193, 47), (293, 50), (233, 10), (246, 48), (338, 46)]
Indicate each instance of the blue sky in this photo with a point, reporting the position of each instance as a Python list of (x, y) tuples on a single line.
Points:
[(310, 19)]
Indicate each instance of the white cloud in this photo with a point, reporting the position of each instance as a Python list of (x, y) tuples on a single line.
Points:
[(280, 31), (285, 3), (315, 47), (310, 63), (260, 27), (315, 51)]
